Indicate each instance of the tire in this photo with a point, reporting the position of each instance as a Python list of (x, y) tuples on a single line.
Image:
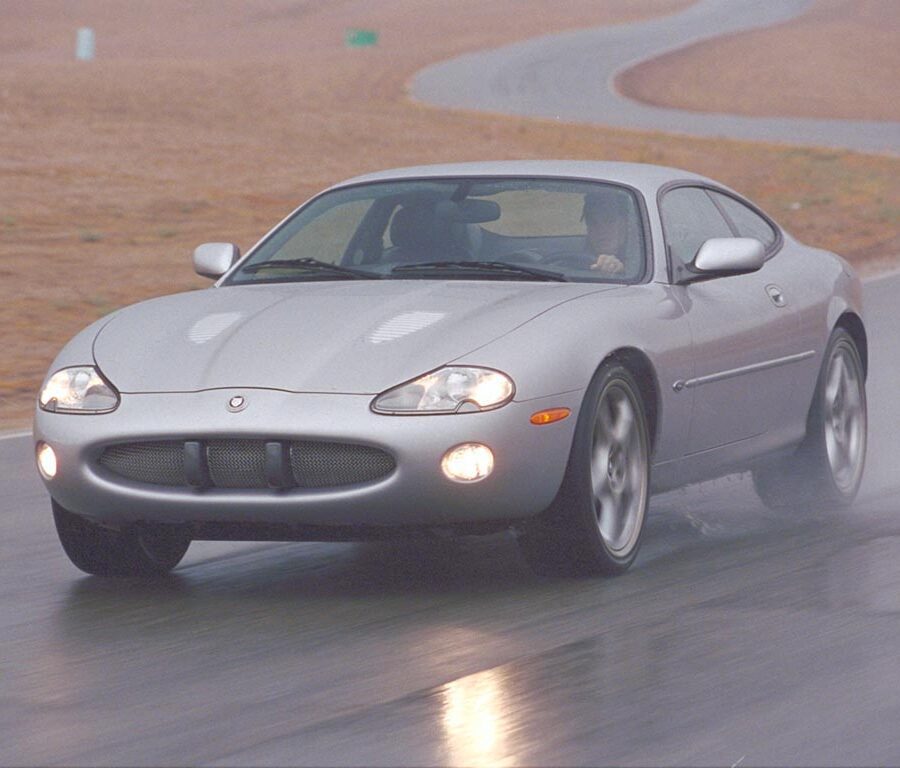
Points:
[(594, 525), (827, 469), (145, 551)]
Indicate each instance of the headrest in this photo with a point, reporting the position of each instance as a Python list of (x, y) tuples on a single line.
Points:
[(609, 202)]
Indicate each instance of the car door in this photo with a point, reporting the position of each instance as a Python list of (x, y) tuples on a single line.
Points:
[(743, 329)]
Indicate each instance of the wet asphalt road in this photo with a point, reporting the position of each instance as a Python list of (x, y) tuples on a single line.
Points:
[(740, 633), (569, 76)]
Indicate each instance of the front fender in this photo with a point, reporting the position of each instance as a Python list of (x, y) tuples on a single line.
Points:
[(559, 351), (79, 350)]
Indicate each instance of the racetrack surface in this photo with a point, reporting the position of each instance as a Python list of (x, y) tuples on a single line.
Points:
[(570, 77), (740, 635)]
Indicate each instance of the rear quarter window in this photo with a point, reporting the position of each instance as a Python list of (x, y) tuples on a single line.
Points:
[(747, 221), (689, 219)]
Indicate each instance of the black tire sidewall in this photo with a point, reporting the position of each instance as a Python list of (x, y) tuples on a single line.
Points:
[(103, 552)]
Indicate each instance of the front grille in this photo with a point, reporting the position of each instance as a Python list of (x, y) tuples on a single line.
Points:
[(324, 465), (160, 463), (236, 463), (248, 464)]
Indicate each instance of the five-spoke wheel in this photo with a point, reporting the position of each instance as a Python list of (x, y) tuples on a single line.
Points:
[(618, 469), (594, 525), (827, 469), (844, 417)]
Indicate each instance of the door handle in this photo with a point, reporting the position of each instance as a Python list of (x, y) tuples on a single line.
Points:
[(776, 295)]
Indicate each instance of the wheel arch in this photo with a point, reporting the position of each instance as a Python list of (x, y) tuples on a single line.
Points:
[(640, 366)]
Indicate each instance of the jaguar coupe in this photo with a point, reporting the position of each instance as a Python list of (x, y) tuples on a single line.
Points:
[(534, 346)]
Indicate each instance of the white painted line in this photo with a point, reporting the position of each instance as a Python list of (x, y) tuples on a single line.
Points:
[(894, 273), (15, 435)]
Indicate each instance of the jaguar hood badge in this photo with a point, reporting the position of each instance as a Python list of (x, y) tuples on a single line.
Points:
[(237, 403)]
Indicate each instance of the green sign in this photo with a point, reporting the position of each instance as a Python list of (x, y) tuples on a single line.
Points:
[(358, 38)]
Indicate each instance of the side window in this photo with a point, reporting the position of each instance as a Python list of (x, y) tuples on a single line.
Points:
[(748, 222), (690, 218)]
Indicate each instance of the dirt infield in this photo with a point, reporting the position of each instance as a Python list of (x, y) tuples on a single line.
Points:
[(839, 60), (211, 120)]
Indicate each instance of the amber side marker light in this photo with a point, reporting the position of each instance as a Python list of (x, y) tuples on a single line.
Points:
[(549, 416)]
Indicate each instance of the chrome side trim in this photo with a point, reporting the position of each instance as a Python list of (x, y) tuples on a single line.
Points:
[(766, 364)]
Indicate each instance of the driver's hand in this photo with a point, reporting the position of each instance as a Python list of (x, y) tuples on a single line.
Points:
[(608, 263)]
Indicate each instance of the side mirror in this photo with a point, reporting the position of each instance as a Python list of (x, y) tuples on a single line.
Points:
[(215, 259), (721, 256)]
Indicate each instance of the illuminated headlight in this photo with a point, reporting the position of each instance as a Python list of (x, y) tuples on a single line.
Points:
[(46, 460), (468, 462), (78, 390), (448, 390)]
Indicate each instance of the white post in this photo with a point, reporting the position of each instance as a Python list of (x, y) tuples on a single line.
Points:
[(84, 46)]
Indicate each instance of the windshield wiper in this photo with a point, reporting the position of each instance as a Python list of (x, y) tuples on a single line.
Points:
[(495, 267), (312, 265)]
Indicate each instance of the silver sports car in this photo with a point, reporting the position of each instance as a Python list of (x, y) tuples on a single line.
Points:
[(463, 348)]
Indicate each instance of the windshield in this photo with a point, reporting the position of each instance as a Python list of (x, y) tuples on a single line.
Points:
[(471, 229)]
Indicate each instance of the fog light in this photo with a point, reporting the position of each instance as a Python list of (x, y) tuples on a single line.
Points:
[(468, 463), (46, 460)]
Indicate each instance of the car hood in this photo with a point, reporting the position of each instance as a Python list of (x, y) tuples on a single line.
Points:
[(356, 337)]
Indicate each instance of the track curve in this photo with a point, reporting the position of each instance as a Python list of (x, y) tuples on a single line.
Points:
[(570, 76)]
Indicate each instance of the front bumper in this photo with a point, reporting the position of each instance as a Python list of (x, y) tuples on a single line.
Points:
[(529, 461)]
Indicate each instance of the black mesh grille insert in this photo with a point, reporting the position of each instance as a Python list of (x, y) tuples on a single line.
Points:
[(237, 463), (241, 463), (326, 465), (159, 463)]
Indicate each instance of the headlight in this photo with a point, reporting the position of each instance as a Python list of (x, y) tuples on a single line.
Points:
[(448, 390), (78, 390)]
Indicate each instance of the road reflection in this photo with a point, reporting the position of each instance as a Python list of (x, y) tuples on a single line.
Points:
[(324, 654), (474, 721)]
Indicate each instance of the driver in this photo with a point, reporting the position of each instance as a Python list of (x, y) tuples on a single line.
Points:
[(605, 215)]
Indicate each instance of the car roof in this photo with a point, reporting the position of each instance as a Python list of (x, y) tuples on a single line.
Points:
[(643, 176)]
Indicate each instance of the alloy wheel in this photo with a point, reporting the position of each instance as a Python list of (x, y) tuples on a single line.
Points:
[(844, 413), (618, 470)]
